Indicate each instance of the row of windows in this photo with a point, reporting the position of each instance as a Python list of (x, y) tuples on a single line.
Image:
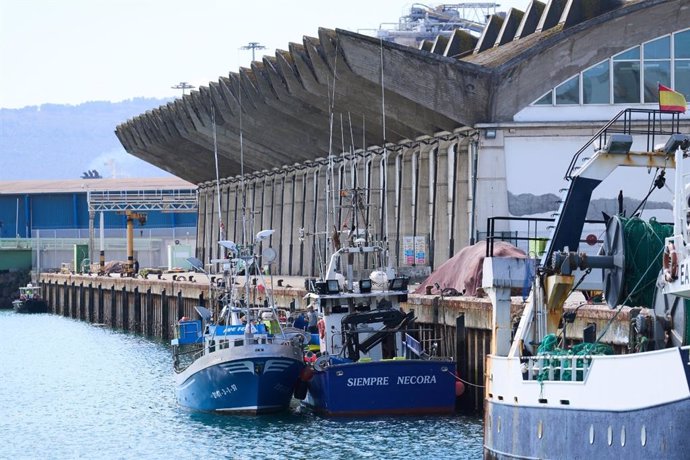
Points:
[(636, 74)]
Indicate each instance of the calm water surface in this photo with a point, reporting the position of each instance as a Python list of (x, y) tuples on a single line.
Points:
[(72, 390)]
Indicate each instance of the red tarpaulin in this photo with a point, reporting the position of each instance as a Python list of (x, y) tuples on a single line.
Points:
[(463, 272)]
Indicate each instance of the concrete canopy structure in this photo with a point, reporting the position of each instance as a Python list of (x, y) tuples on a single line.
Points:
[(328, 93), (285, 100)]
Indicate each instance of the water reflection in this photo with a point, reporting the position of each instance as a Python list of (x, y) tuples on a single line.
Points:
[(72, 390)]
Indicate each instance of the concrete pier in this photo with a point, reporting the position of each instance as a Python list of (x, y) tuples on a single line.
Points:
[(459, 326)]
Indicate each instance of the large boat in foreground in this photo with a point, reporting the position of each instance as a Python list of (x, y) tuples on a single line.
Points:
[(30, 300), (371, 361), (550, 398), (237, 364)]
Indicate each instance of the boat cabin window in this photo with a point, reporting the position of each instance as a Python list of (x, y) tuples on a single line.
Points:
[(363, 307), (384, 304)]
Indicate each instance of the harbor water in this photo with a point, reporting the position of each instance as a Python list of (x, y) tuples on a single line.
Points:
[(73, 390)]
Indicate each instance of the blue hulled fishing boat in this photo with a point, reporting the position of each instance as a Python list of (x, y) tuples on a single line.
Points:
[(371, 359), (237, 364)]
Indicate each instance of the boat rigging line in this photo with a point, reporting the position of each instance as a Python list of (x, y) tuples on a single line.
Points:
[(215, 155)]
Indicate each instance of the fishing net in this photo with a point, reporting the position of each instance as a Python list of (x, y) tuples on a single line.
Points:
[(558, 360), (644, 244)]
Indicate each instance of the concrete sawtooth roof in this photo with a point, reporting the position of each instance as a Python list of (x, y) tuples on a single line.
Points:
[(282, 104)]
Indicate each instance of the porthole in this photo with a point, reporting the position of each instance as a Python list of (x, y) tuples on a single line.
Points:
[(623, 436), (540, 429), (643, 436), (609, 437), (591, 434)]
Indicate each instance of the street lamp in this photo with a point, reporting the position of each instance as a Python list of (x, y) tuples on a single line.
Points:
[(253, 46), (183, 85)]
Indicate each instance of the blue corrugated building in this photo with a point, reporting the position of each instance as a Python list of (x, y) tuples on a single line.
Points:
[(39, 213), (27, 206)]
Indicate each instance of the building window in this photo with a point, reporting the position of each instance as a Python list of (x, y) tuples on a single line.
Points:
[(596, 84), (626, 77), (546, 99), (568, 92), (681, 54), (657, 67), (630, 77)]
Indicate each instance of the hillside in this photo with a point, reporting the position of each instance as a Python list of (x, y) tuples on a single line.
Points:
[(54, 141)]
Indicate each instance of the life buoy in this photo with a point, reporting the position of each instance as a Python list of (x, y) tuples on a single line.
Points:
[(321, 363), (670, 262)]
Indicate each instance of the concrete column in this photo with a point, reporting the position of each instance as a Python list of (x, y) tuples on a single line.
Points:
[(499, 276), (500, 320), (397, 207), (422, 224), (462, 194), (280, 265), (235, 213), (407, 200), (314, 254), (291, 225), (430, 204), (302, 269), (224, 212), (492, 190)]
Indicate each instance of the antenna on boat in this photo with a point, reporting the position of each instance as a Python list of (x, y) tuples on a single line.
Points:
[(330, 194), (384, 178)]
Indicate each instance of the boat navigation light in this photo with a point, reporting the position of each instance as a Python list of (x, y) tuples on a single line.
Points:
[(264, 234)]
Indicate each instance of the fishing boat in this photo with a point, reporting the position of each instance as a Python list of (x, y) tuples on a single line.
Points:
[(371, 361), (547, 397), (237, 364), (30, 300), (229, 361)]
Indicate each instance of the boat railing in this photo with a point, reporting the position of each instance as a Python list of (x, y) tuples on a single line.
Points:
[(183, 357), (652, 123), (556, 368), (186, 354), (532, 235)]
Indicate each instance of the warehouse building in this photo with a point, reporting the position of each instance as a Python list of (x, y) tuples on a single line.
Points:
[(45, 224)]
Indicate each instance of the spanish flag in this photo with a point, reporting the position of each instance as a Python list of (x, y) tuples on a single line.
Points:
[(671, 101)]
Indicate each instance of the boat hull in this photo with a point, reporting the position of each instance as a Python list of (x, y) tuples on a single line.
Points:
[(512, 431), (401, 387), (226, 381), (632, 406), (30, 306)]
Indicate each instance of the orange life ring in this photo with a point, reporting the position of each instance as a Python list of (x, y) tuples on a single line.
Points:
[(670, 263)]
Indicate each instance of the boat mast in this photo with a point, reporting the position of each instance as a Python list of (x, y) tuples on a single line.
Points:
[(386, 262)]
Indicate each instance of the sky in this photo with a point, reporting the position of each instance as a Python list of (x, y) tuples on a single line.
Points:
[(75, 51)]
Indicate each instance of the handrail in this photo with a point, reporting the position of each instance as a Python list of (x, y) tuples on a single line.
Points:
[(655, 126), (491, 228)]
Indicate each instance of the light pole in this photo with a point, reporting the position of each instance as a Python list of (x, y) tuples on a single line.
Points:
[(253, 46), (183, 85)]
